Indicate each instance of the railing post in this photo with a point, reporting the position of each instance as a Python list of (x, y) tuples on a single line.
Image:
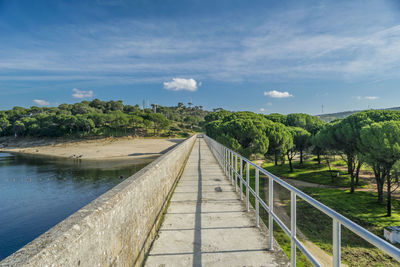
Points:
[(232, 165), (222, 153), (271, 210), (257, 194), (241, 177), (225, 160), (247, 187), (336, 243), (228, 164), (236, 172), (292, 228)]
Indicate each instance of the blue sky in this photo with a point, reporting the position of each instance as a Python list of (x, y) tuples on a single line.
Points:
[(262, 56)]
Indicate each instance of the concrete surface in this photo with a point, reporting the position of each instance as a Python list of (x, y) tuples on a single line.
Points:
[(206, 227), (115, 229)]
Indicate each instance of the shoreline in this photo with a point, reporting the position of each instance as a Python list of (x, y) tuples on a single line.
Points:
[(110, 149)]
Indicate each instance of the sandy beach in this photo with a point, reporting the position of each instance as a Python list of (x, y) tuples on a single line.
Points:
[(98, 149)]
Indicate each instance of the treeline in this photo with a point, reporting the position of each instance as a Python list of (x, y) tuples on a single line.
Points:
[(370, 137), (101, 118)]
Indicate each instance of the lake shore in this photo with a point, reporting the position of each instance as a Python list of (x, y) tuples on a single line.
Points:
[(93, 149)]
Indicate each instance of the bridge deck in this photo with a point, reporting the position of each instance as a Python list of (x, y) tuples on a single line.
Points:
[(206, 227)]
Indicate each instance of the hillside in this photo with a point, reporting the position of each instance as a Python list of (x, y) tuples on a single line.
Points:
[(340, 115)]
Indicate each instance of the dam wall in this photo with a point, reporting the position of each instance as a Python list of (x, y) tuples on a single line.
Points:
[(117, 228)]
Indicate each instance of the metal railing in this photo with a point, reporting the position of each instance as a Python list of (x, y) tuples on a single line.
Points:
[(228, 160)]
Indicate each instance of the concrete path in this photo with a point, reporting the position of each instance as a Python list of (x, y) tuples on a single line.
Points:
[(205, 227)]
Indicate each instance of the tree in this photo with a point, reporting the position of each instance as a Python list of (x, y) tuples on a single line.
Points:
[(192, 120), (64, 107), (114, 105), (31, 126), (118, 120), (68, 123), (310, 123), (276, 117), (380, 144), (322, 142), (213, 116), (4, 123), (345, 137), (213, 128), (84, 123), (98, 104), (135, 120), (81, 108), (280, 139), (244, 132), (131, 109), (291, 151), (301, 140), (19, 128), (159, 121)]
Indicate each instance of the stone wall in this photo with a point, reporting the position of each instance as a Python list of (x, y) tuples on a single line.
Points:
[(115, 229)]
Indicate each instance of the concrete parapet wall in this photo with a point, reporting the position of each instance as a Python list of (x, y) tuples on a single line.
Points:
[(115, 229)]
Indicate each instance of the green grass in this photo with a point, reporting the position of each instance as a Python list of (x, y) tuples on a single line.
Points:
[(310, 171)]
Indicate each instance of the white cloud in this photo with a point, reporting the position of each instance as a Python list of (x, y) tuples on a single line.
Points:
[(178, 84), (41, 102), (262, 109), (368, 97), (82, 94), (277, 94)]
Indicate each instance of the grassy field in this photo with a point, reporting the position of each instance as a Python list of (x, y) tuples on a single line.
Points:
[(311, 171), (360, 207)]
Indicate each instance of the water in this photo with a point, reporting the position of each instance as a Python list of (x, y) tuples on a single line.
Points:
[(38, 193)]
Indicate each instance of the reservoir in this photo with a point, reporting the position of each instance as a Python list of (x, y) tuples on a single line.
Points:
[(37, 193)]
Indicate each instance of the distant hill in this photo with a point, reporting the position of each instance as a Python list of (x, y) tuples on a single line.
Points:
[(344, 114)]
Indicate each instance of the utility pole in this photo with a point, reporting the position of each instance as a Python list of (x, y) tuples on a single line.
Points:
[(190, 103)]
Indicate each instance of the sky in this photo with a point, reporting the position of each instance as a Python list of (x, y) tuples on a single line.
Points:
[(263, 56)]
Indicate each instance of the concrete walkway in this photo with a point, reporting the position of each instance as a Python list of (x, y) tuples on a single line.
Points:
[(206, 227)]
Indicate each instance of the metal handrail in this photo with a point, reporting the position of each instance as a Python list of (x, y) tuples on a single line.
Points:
[(227, 157)]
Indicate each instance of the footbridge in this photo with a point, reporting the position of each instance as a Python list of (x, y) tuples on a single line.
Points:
[(200, 204)]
